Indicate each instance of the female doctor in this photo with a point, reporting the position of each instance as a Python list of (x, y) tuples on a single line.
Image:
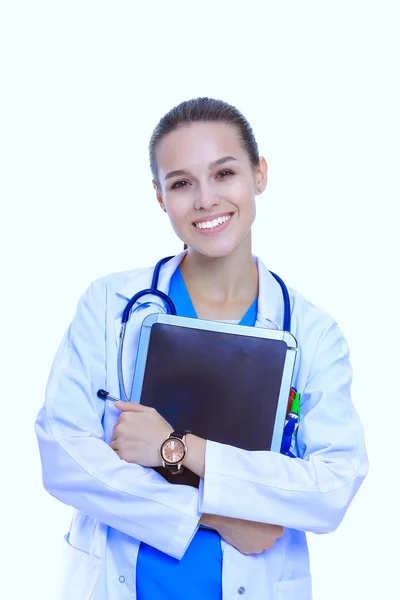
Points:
[(243, 533)]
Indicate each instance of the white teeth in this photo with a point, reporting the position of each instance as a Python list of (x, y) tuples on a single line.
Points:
[(214, 223)]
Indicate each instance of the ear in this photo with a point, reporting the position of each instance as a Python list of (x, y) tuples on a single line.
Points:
[(158, 195), (261, 176)]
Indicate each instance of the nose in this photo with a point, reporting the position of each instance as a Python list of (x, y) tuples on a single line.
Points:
[(206, 198)]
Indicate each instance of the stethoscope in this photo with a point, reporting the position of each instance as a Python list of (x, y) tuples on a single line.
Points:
[(171, 310)]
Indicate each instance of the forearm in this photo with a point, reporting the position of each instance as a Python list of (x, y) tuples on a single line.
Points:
[(211, 520), (308, 495), (195, 459), (83, 472)]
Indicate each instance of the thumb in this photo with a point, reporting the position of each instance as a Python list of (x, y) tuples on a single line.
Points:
[(129, 406)]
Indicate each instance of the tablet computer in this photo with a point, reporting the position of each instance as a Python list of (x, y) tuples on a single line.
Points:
[(223, 382)]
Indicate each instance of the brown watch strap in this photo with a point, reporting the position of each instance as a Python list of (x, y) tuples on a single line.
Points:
[(179, 434)]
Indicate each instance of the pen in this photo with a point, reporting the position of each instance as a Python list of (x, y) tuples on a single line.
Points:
[(104, 395)]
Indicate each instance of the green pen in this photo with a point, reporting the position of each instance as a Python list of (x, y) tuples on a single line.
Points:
[(295, 408)]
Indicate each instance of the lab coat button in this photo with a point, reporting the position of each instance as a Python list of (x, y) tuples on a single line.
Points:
[(241, 591), (121, 579)]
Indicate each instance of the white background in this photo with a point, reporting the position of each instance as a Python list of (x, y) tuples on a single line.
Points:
[(83, 84)]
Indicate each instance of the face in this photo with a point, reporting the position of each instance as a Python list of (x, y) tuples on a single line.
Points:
[(208, 187)]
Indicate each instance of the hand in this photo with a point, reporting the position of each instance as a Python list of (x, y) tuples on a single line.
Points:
[(248, 537), (139, 433)]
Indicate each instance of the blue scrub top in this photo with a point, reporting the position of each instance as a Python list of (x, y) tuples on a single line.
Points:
[(198, 574)]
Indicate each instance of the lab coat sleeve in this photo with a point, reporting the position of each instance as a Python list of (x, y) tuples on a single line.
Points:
[(311, 493), (80, 468)]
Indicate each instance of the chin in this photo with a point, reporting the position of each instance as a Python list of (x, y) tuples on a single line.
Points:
[(217, 250), (219, 246)]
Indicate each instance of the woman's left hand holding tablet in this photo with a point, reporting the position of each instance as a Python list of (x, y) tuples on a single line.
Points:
[(139, 433)]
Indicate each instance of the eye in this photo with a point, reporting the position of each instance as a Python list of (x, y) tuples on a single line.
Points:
[(224, 173), (177, 185)]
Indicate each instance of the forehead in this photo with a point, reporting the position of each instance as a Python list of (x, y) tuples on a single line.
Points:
[(198, 144)]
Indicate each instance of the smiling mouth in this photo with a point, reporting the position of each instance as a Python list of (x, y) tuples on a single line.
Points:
[(214, 223)]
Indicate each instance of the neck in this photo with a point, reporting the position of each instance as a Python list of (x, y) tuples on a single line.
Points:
[(229, 279)]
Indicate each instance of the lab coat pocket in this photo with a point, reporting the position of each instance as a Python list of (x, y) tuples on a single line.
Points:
[(293, 589), (78, 573)]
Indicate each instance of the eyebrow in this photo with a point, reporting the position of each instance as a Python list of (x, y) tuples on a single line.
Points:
[(215, 163)]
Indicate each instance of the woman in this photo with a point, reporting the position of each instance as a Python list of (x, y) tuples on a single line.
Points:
[(133, 534)]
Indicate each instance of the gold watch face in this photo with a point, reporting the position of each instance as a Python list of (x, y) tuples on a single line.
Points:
[(173, 451)]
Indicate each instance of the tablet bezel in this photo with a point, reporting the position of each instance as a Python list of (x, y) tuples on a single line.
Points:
[(233, 329)]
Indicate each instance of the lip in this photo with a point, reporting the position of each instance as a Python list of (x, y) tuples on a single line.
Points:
[(212, 217)]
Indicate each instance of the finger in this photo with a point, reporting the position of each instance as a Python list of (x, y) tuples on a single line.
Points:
[(117, 429), (114, 445), (281, 532), (131, 407)]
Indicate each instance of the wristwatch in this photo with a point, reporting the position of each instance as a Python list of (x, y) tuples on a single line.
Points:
[(173, 451)]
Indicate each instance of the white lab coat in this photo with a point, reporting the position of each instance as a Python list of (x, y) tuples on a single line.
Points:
[(118, 504)]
